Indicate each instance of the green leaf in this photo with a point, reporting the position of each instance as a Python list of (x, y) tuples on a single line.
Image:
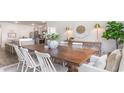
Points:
[(114, 30), (53, 36)]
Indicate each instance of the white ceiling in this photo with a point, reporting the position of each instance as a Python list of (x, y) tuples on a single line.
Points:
[(37, 23)]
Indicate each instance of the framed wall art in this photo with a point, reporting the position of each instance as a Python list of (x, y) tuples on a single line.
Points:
[(11, 35)]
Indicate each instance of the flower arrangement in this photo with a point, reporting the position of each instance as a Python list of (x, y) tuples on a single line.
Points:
[(53, 36), (52, 40)]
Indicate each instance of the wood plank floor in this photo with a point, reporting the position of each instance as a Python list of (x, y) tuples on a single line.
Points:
[(6, 58)]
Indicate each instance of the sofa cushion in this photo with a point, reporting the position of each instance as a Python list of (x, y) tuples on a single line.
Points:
[(121, 67), (113, 61), (101, 62)]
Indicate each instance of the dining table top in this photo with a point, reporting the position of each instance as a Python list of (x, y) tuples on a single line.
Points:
[(69, 54)]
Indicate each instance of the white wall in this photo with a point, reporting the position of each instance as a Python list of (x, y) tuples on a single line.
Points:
[(20, 30), (0, 36), (89, 35)]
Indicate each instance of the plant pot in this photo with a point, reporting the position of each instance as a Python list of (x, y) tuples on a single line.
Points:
[(53, 44)]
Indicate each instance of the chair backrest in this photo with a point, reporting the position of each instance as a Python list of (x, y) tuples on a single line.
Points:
[(29, 60), (77, 45), (45, 62), (63, 43), (19, 53)]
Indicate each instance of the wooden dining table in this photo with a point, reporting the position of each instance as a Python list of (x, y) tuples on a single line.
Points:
[(74, 57)]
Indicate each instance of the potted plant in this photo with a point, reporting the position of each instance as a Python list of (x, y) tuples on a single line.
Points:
[(53, 37), (114, 30)]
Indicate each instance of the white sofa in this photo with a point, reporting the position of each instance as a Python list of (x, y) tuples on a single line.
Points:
[(106, 63), (89, 68), (96, 64)]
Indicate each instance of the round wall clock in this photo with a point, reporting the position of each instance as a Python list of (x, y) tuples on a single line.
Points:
[(80, 29)]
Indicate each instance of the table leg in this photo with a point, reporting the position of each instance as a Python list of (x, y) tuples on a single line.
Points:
[(72, 67)]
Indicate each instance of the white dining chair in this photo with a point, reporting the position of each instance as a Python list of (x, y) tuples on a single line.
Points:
[(47, 65), (31, 63), (21, 59), (63, 43)]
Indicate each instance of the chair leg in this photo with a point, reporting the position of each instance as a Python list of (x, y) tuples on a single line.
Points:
[(22, 67), (26, 69), (52, 59), (18, 66), (63, 63), (34, 69)]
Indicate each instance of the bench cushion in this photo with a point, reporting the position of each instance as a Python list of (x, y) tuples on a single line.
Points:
[(113, 61), (121, 68)]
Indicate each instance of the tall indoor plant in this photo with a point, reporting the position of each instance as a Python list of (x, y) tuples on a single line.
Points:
[(114, 30), (53, 37)]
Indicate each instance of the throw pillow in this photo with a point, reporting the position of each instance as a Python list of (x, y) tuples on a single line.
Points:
[(93, 60), (101, 62)]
